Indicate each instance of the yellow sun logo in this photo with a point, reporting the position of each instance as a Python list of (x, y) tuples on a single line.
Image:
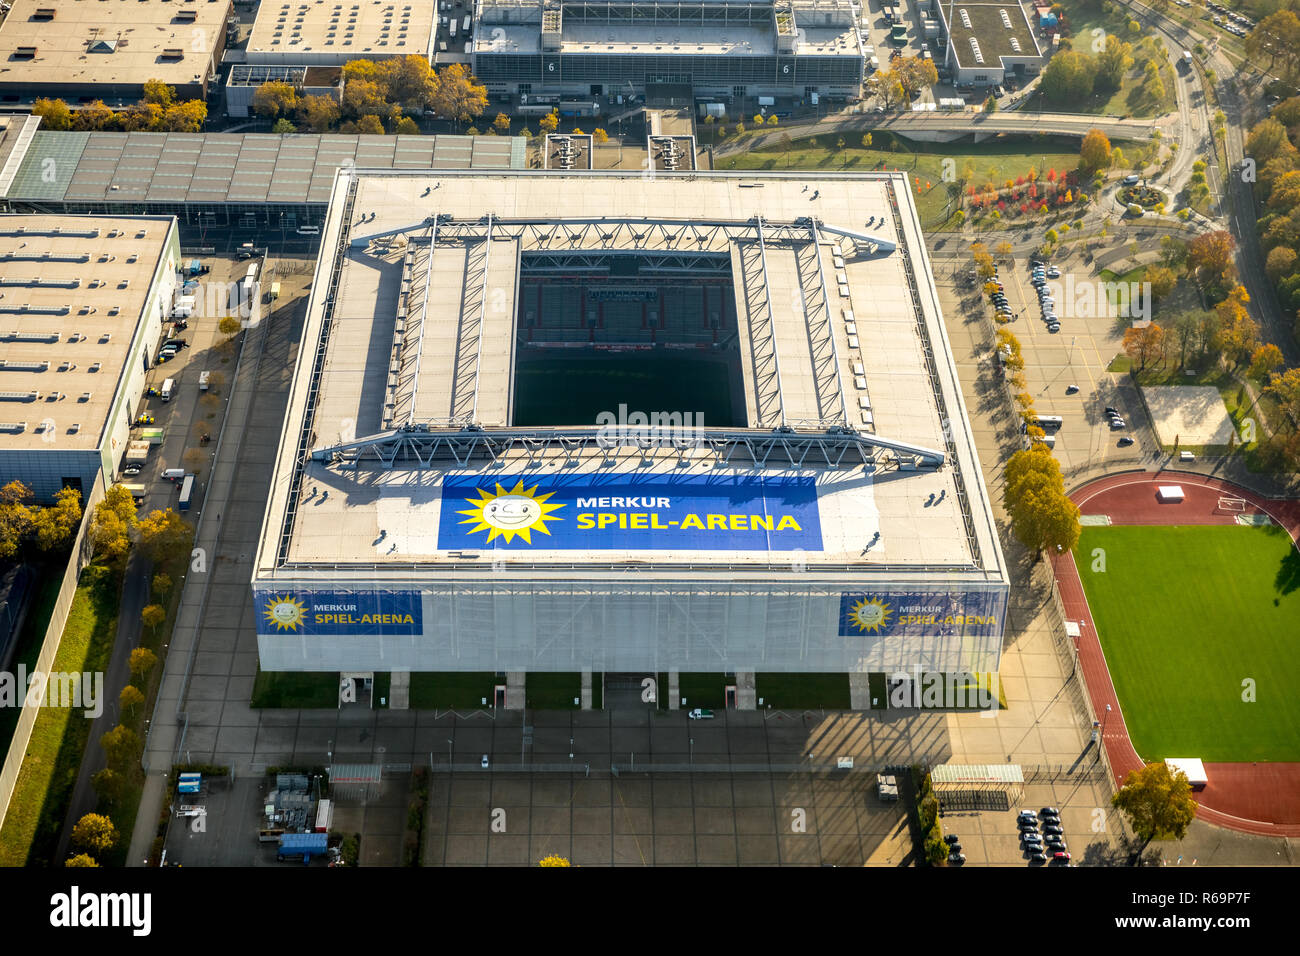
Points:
[(508, 513), (285, 612), (870, 615)]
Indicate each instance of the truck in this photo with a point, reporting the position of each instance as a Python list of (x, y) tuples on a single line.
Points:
[(301, 846), (168, 388), (153, 436), (187, 493), (135, 491), (1187, 59), (203, 381)]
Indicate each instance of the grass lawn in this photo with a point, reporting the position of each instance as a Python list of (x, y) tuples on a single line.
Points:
[(295, 690), (437, 691), (1185, 616), (1130, 99), (553, 691), (47, 580), (58, 741), (998, 159), (803, 691), (703, 689)]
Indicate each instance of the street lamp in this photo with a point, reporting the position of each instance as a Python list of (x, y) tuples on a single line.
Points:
[(448, 752)]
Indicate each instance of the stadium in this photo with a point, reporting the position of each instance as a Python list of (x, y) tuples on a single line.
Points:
[(546, 421)]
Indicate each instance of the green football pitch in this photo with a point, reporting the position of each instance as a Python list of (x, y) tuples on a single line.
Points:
[(569, 391), (1194, 621)]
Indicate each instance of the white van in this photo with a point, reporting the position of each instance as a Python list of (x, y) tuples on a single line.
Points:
[(1186, 456), (168, 387), (173, 474), (203, 381)]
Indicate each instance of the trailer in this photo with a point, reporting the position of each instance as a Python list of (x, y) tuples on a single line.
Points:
[(301, 846), (187, 492), (153, 436), (136, 450), (324, 817)]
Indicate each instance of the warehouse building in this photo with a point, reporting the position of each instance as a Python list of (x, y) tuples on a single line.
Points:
[(82, 301), (84, 50), (989, 43), (802, 496), (575, 50), (256, 181), (332, 32)]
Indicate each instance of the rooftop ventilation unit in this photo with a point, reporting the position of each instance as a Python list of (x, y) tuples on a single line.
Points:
[(19, 396), (24, 53), (44, 14), (16, 336), (85, 397), (9, 366), (95, 368), (13, 426), (965, 18), (1006, 20), (1015, 44), (28, 309), (975, 48)]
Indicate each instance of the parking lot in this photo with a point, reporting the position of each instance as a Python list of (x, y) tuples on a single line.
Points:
[(1077, 355)]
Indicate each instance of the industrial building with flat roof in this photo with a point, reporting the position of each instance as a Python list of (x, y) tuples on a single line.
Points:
[(82, 302), (719, 48), (332, 32), (83, 50), (255, 180), (989, 43), (551, 421)]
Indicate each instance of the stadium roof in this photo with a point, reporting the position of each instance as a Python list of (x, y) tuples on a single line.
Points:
[(865, 359), (231, 167), (110, 42), (72, 292)]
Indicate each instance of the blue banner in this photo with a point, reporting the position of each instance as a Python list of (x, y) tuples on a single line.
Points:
[(338, 612), (922, 613), (599, 512)]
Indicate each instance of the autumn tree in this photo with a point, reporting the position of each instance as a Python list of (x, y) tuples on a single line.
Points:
[(599, 135), (319, 113), (459, 96), (112, 522), (1069, 78), (915, 74), (165, 535), (80, 860), (1157, 802), (130, 698), (109, 785), (56, 526), (142, 661), (1113, 62), (371, 125), (158, 91), (1209, 255), (1277, 37), (275, 99), (1144, 345), (549, 123), (121, 748), (553, 860), (54, 113), (1094, 152), (1264, 360), (94, 833), (1043, 517), (16, 518), (229, 326), (887, 86), (1239, 332), (152, 615), (1162, 281), (984, 266)]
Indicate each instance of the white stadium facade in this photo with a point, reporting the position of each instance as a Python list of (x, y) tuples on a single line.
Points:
[(546, 421)]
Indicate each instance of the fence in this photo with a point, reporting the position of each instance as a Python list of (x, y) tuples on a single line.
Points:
[(82, 551)]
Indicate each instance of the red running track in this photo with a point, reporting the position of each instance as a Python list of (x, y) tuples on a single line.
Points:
[(1258, 798)]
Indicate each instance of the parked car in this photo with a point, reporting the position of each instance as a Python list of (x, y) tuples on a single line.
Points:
[(134, 468), (699, 713), (1037, 857), (1050, 812), (1125, 441), (957, 858), (1061, 857), (1116, 424), (1053, 327), (1111, 411), (1052, 829), (950, 838), (1027, 815), (1053, 273)]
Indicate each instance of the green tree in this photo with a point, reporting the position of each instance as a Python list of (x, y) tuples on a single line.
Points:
[(1157, 803), (94, 833), (121, 748), (165, 536), (1113, 62), (161, 585), (1069, 77), (109, 785), (56, 525), (991, 104), (130, 698), (460, 96), (142, 661), (1162, 280), (283, 125)]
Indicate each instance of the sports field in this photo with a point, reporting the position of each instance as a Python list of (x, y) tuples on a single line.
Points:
[(573, 391), (1187, 617)]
